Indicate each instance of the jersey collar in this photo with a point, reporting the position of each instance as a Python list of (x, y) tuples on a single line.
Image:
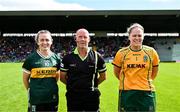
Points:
[(44, 57), (136, 50), (76, 52)]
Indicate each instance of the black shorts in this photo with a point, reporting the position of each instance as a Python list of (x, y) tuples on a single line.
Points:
[(52, 107), (83, 101)]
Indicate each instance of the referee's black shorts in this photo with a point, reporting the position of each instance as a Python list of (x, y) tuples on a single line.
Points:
[(83, 100)]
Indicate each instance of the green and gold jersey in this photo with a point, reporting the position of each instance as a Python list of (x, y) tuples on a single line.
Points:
[(43, 73), (136, 68)]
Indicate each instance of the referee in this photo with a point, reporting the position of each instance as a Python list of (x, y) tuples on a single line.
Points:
[(79, 71)]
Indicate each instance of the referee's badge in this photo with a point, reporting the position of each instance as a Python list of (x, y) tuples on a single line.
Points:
[(145, 58)]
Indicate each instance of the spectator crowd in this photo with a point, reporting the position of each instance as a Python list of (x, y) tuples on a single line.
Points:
[(16, 49)]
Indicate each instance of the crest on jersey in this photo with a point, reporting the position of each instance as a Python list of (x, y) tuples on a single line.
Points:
[(46, 63), (145, 58)]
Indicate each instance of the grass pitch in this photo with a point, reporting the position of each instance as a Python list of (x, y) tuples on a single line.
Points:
[(13, 96)]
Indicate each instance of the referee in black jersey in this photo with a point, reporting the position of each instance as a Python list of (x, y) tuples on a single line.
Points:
[(82, 71)]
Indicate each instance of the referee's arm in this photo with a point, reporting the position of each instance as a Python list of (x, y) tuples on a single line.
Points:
[(102, 77), (63, 77)]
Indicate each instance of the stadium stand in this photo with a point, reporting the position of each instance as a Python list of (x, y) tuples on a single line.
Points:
[(16, 49), (168, 49)]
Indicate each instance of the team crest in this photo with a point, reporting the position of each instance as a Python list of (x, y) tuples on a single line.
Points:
[(145, 58), (46, 63)]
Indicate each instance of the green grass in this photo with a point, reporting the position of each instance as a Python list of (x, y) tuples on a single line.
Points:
[(168, 87), (13, 96)]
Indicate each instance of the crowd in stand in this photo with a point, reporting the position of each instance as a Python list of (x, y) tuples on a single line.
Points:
[(16, 49)]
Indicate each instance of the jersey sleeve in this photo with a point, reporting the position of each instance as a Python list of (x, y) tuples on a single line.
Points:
[(156, 59), (101, 66), (26, 67), (58, 62), (64, 67), (117, 61)]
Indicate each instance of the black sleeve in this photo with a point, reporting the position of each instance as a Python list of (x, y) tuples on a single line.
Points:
[(64, 64), (101, 66)]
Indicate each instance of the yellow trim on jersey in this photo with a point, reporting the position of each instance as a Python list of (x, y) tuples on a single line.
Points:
[(44, 72)]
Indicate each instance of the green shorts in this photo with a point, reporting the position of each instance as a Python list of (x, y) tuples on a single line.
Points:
[(136, 100)]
